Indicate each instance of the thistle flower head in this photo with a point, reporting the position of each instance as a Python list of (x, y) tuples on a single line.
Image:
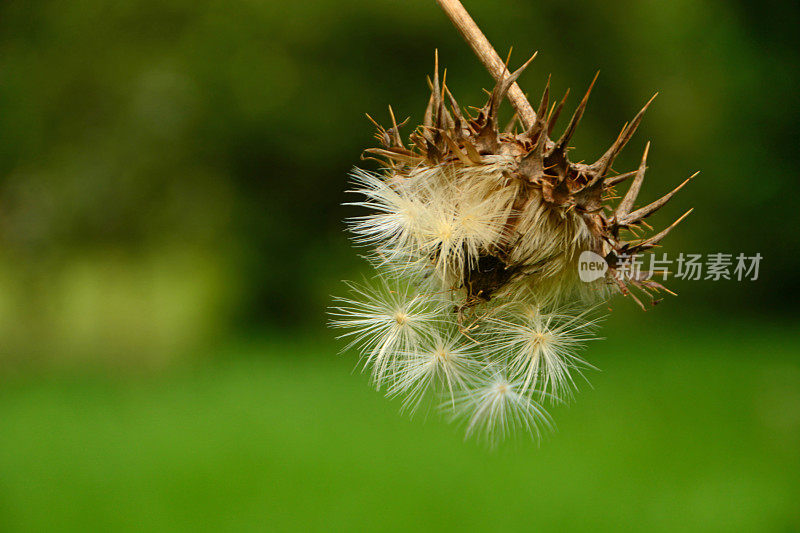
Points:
[(480, 231)]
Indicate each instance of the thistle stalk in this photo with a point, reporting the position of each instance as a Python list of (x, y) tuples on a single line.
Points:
[(475, 38)]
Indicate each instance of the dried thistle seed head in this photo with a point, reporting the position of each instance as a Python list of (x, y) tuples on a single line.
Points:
[(476, 234)]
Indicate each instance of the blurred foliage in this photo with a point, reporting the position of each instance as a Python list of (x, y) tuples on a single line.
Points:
[(172, 171), (169, 169)]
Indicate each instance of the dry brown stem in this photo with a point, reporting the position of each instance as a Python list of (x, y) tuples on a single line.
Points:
[(488, 56)]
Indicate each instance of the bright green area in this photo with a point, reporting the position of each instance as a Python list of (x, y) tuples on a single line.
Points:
[(700, 432)]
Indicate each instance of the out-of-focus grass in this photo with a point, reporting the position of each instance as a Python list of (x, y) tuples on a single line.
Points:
[(697, 433)]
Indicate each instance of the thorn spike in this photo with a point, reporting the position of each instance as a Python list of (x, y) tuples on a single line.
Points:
[(562, 143), (551, 122), (602, 165), (545, 101), (626, 204), (436, 91), (395, 130), (619, 178), (505, 84), (649, 209), (428, 120), (655, 239)]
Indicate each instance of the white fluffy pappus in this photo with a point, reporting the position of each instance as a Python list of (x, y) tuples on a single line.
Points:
[(498, 407), (432, 218), (541, 346), (444, 364), (394, 226), (425, 229), (385, 320)]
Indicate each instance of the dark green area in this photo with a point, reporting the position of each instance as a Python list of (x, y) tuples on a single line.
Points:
[(224, 131)]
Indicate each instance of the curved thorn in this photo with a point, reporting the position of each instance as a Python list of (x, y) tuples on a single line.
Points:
[(619, 178), (505, 83)]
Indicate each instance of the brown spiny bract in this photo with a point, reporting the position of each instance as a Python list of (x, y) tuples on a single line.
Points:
[(553, 208)]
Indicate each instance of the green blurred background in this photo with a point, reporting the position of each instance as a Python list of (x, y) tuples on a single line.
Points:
[(170, 233)]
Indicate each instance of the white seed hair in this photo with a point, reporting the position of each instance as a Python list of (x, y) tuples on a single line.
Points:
[(498, 407), (385, 320), (448, 363), (541, 347)]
